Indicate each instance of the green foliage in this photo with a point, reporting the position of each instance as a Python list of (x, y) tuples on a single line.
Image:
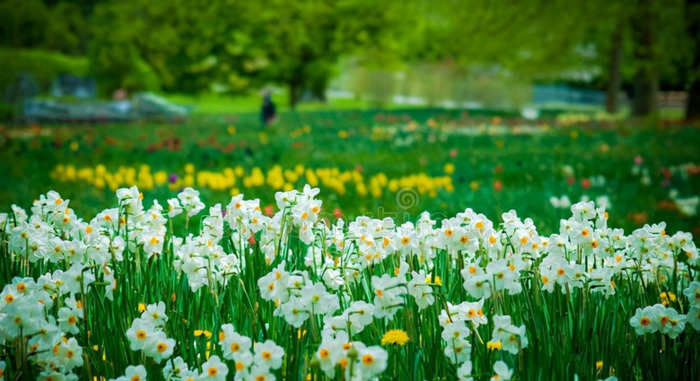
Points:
[(35, 24), (43, 66), (237, 47)]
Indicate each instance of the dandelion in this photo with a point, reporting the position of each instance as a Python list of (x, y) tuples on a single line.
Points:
[(395, 337)]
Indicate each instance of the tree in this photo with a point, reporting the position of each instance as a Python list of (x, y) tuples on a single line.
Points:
[(692, 19)]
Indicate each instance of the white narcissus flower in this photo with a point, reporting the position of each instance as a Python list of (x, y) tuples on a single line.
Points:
[(175, 368), (159, 347), (189, 198), (512, 338), (268, 354), (373, 360), (261, 373), (642, 321), (693, 317), (139, 333), (130, 198), (455, 330), (458, 350), (669, 321), (331, 351), (318, 299), (155, 314), (503, 373), (233, 343), (295, 314), (692, 292), (360, 314), (213, 370), (134, 373), (70, 354), (174, 207), (244, 360), (57, 376), (68, 319), (421, 291), (464, 372)]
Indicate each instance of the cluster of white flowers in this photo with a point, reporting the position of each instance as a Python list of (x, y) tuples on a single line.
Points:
[(357, 361), (24, 313), (296, 297), (510, 337), (212, 370), (146, 334), (250, 365), (659, 318), (187, 201), (492, 259), (202, 257)]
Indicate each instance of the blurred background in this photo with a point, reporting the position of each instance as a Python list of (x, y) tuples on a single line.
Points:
[(492, 105)]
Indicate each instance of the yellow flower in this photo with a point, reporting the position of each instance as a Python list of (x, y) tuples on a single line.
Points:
[(343, 134), (665, 296), (200, 332), (493, 346), (449, 168), (142, 307), (438, 281), (231, 130), (395, 337), (599, 365)]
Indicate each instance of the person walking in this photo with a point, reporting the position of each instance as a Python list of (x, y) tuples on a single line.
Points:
[(267, 113)]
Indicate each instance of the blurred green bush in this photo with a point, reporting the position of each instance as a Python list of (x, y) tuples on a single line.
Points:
[(41, 64)]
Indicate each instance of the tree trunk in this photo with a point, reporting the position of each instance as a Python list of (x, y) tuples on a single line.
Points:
[(646, 78), (692, 107), (293, 94), (611, 96), (646, 90)]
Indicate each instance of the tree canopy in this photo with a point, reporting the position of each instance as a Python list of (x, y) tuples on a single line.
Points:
[(238, 46)]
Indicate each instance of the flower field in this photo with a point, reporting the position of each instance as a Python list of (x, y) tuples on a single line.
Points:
[(220, 251), (362, 160), (292, 297)]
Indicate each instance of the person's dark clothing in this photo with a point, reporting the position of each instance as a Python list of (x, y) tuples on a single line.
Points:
[(268, 110)]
